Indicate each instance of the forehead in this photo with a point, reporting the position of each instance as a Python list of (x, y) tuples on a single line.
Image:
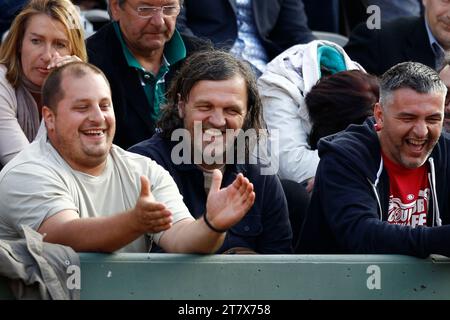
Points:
[(234, 88), (86, 86), (406, 100), (42, 24)]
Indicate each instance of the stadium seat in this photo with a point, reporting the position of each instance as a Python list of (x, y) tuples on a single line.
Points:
[(330, 36)]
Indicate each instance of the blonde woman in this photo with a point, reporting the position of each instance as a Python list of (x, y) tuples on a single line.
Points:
[(45, 34)]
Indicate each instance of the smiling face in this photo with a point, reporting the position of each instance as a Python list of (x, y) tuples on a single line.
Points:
[(44, 37), (437, 13), (144, 35), (410, 125), (83, 126), (217, 106)]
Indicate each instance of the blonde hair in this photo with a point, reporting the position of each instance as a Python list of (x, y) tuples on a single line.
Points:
[(61, 10)]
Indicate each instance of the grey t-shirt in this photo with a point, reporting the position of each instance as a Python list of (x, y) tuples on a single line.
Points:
[(38, 183)]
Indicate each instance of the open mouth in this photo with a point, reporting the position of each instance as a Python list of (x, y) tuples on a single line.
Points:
[(417, 146), (94, 132), (212, 134)]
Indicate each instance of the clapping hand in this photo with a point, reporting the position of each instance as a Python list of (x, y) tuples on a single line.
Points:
[(226, 207), (150, 216)]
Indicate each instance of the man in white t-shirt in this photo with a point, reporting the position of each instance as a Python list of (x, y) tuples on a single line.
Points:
[(72, 185)]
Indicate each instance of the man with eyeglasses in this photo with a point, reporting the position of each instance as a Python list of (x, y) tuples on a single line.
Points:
[(139, 52)]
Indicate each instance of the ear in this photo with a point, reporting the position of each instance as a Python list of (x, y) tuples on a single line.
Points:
[(181, 106), (49, 118), (114, 9), (378, 113)]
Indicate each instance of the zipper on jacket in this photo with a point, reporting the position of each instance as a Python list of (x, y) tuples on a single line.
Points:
[(432, 181), (374, 187)]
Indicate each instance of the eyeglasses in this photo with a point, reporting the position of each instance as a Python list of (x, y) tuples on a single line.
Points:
[(150, 11)]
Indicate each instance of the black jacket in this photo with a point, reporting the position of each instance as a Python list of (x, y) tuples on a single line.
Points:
[(280, 23), (403, 39), (265, 228), (349, 205), (131, 107)]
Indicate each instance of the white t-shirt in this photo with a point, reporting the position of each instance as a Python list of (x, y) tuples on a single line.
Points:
[(38, 183)]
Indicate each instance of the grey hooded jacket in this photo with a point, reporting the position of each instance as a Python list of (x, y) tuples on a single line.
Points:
[(39, 270)]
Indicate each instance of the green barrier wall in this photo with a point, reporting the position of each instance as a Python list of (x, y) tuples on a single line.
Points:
[(268, 277)]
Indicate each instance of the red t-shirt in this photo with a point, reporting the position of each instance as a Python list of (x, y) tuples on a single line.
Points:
[(409, 194)]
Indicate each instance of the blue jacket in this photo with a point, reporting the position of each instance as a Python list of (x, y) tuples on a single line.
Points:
[(265, 228), (349, 205)]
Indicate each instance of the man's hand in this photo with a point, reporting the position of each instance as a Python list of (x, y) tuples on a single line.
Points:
[(150, 216), (310, 185), (226, 207)]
